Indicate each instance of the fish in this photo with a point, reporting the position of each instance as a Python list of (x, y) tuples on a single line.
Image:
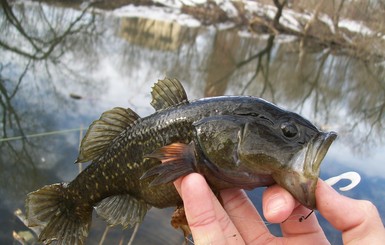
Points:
[(233, 141)]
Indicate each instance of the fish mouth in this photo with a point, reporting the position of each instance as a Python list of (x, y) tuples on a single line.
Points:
[(302, 177), (316, 152)]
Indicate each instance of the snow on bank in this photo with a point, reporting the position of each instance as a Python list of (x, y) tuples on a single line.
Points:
[(157, 13), (290, 19)]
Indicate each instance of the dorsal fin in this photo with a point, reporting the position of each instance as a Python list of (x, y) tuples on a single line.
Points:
[(167, 92), (101, 132)]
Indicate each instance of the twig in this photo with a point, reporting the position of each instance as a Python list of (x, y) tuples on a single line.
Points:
[(132, 238), (104, 235), (40, 134), (80, 143)]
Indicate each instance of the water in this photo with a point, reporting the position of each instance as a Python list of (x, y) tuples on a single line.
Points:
[(61, 68)]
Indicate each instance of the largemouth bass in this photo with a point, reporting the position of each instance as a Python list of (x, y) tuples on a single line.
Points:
[(234, 141)]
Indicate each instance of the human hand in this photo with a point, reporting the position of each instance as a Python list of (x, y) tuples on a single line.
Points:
[(238, 222)]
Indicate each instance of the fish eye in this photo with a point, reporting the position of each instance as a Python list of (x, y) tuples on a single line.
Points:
[(289, 129)]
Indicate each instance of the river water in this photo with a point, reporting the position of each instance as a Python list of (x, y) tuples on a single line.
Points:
[(61, 68)]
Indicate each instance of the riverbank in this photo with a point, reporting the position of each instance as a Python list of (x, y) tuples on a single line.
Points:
[(343, 26)]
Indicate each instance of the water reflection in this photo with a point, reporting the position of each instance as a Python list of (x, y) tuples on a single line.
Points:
[(161, 35), (51, 53), (38, 33), (328, 87)]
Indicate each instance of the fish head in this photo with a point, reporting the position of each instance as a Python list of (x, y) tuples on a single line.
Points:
[(272, 146), (291, 149)]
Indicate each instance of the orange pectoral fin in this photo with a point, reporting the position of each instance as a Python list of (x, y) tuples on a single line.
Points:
[(177, 159)]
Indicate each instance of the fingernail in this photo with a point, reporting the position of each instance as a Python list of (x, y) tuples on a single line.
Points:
[(276, 203)]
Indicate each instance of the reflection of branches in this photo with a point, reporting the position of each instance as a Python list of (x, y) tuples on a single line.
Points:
[(39, 45), (5, 102), (35, 41), (375, 113), (38, 33), (10, 115), (260, 68), (315, 84)]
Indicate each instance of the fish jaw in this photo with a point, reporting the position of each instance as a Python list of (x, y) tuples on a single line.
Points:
[(301, 176)]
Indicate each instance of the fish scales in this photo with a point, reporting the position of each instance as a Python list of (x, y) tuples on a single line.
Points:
[(234, 141), (146, 135)]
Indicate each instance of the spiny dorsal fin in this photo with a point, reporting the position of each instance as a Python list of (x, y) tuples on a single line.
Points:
[(167, 92), (122, 209), (101, 132)]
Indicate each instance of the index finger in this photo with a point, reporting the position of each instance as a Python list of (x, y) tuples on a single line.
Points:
[(208, 221), (357, 219), (245, 217)]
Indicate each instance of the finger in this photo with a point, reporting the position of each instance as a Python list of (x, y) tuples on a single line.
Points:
[(277, 204), (208, 221), (245, 217), (177, 184), (293, 227), (359, 220), (280, 206)]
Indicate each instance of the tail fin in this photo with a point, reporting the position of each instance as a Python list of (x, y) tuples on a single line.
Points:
[(60, 219)]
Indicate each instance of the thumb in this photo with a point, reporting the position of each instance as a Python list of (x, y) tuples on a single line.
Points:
[(358, 220)]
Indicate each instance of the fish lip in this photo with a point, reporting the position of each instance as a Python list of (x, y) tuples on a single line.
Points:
[(316, 152), (301, 177)]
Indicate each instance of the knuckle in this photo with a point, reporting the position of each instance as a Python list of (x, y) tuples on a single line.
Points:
[(236, 201), (264, 238), (203, 219), (225, 222), (368, 207)]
